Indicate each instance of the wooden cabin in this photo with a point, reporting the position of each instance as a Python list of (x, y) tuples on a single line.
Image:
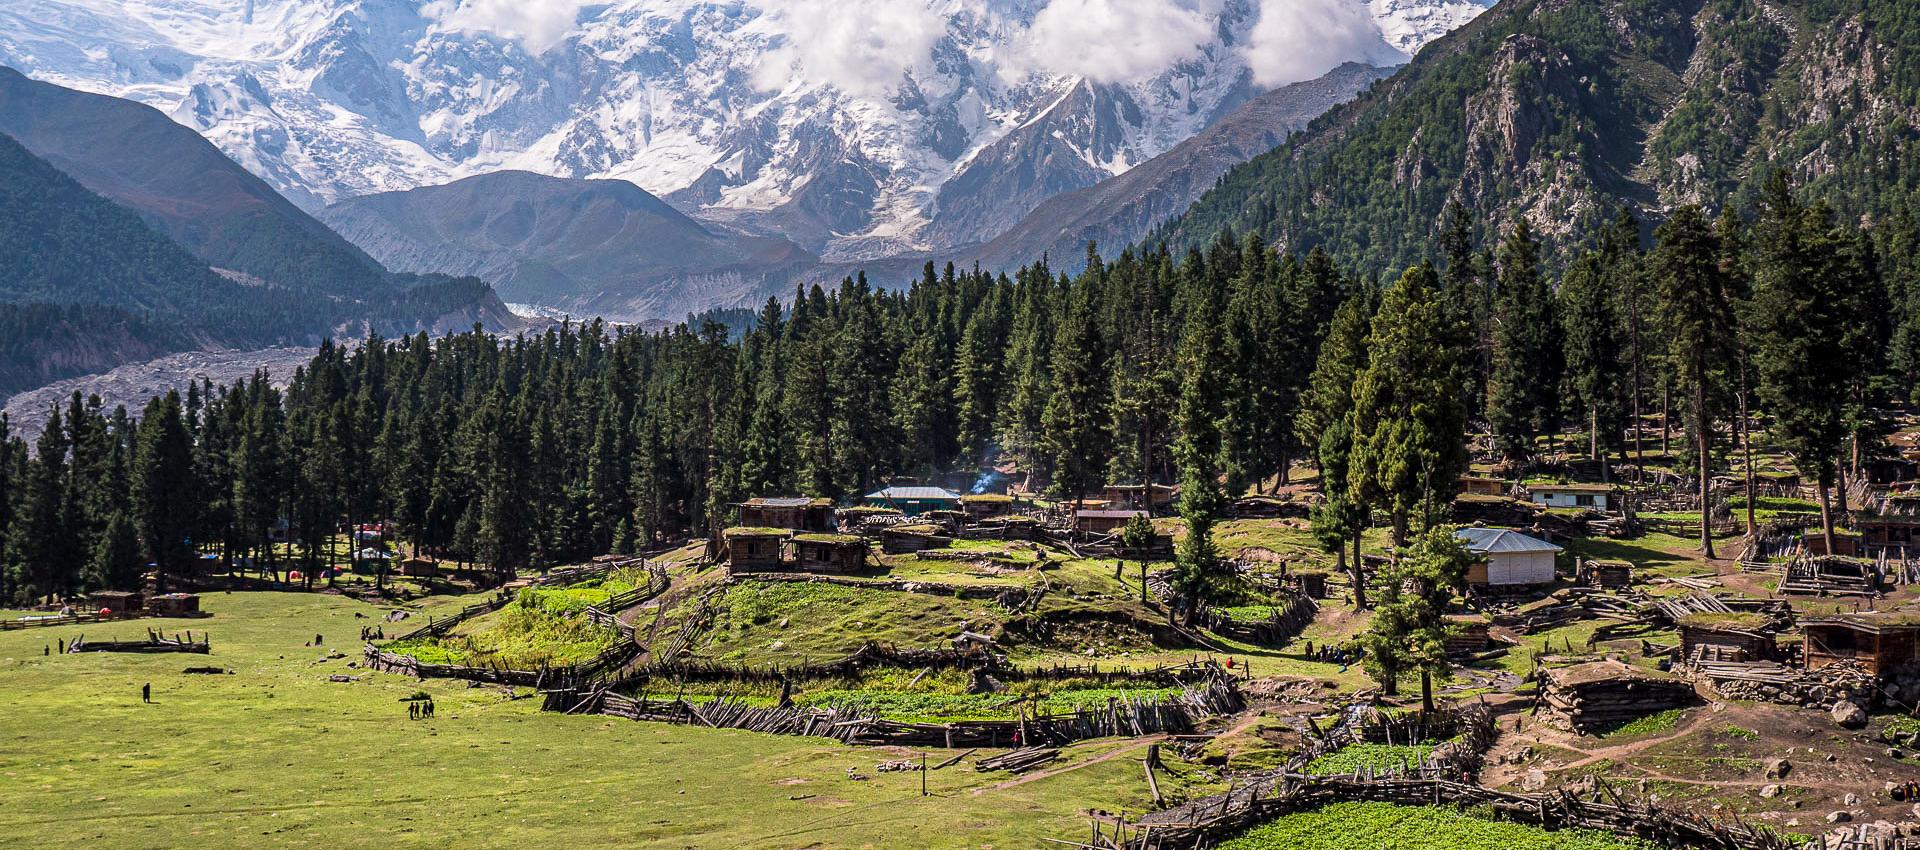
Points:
[(752, 549), (799, 513), (829, 553), (1141, 497), (174, 605), (949, 521), (1313, 583), (1508, 558), (1596, 496), (1103, 521), (1881, 641), (1844, 543), (914, 501), (118, 603), (1739, 636), (1480, 485), (904, 539), (1606, 574), (981, 506), (1467, 633), (1602, 695)]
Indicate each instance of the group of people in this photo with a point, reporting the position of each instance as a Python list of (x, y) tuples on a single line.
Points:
[(420, 709), (368, 633), (1342, 656)]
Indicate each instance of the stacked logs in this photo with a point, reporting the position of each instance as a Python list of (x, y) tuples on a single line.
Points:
[(1602, 694)]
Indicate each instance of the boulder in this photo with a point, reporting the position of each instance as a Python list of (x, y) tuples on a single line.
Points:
[(1839, 817), (1779, 768), (1848, 715), (1769, 791)]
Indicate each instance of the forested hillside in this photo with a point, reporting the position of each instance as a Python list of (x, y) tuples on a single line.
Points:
[(1216, 369), (1560, 110), (88, 284), (184, 187)]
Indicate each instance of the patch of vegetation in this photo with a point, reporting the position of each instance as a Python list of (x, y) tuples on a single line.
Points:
[(1343, 826), (1652, 724), (1376, 756), (519, 637)]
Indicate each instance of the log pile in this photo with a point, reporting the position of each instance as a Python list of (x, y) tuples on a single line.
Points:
[(155, 642), (1603, 694), (1018, 761)]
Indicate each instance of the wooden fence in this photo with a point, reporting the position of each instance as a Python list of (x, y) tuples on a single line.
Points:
[(623, 651), (154, 642), (1284, 624), (1177, 713)]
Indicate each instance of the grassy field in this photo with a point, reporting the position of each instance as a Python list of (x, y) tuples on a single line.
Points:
[(276, 755), (1347, 826)]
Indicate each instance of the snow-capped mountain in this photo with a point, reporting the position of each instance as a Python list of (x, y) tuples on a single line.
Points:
[(856, 128)]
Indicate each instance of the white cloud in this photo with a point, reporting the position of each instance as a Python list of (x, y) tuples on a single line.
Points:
[(862, 47), (1298, 40), (537, 24), (1110, 41)]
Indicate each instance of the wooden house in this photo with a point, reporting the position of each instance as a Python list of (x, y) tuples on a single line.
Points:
[(1739, 636), (1104, 521), (118, 603), (1881, 641), (1313, 583), (1508, 558), (795, 512), (753, 549), (1467, 633), (1481, 485), (904, 539), (1596, 496), (829, 553), (1606, 574), (1141, 497), (1844, 543), (914, 501), (174, 605), (981, 506), (950, 521), (417, 567)]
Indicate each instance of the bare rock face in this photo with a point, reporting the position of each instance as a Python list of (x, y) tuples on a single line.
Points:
[(1848, 715)]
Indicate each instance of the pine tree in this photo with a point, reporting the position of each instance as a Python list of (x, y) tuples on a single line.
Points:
[(1073, 426), (1409, 422), (1409, 631), (1591, 331), (116, 562), (1522, 389), (163, 507), (1325, 422), (1798, 314), (1698, 321)]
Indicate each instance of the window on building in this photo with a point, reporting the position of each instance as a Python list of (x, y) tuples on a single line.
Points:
[(1583, 501)]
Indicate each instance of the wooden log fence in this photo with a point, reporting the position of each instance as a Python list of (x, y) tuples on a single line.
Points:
[(155, 642), (854, 724)]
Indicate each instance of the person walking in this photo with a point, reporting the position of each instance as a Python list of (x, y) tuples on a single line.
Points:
[(146, 693)]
